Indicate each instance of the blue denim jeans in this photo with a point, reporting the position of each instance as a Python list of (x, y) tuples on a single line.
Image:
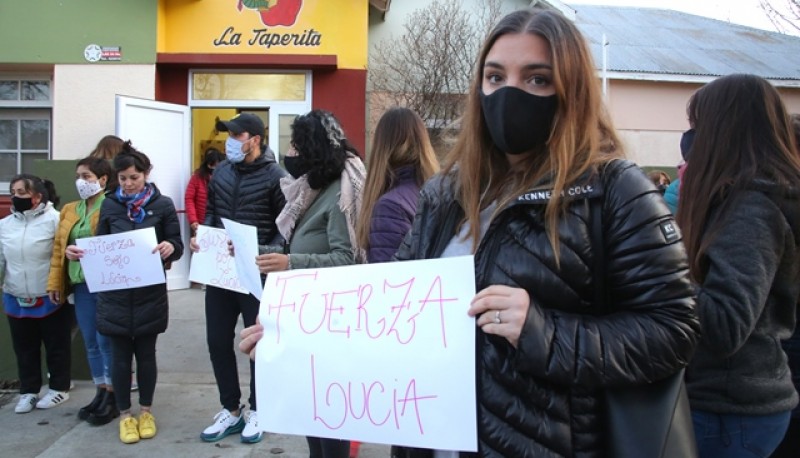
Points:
[(98, 348), (735, 436)]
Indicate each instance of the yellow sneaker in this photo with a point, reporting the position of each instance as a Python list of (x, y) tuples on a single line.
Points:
[(128, 430), (147, 425)]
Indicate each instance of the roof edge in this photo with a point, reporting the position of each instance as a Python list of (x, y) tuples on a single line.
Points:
[(692, 79)]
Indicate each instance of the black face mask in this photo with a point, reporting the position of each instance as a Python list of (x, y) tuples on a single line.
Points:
[(517, 120), (687, 139), (21, 204), (294, 167)]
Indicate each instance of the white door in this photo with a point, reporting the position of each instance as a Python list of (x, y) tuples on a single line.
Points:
[(163, 132)]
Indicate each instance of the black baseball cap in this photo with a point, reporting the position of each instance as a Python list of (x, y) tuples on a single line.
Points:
[(243, 122)]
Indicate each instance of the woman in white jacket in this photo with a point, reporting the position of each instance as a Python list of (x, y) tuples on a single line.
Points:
[(26, 243)]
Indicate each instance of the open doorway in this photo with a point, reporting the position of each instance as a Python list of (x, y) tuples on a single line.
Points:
[(205, 134)]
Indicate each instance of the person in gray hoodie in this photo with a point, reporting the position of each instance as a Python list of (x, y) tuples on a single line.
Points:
[(740, 217), (790, 445)]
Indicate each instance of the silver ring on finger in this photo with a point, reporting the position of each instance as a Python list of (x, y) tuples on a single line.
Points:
[(497, 317)]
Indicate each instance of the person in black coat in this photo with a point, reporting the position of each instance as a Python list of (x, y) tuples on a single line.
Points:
[(132, 318), (245, 188), (536, 160)]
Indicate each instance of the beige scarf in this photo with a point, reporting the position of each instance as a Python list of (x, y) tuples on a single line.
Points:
[(300, 196)]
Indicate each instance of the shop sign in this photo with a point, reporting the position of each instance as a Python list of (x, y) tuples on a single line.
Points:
[(273, 13)]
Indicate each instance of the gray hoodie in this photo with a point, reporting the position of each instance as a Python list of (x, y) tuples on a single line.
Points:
[(747, 304)]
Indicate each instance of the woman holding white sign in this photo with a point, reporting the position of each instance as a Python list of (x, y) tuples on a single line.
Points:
[(26, 243), (581, 275), (582, 278), (322, 203), (132, 318)]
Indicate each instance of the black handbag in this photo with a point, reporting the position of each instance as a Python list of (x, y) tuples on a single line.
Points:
[(643, 421)]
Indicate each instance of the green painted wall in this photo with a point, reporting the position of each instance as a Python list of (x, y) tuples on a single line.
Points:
[(58, 31)]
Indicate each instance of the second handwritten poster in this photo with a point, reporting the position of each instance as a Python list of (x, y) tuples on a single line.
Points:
[(213, 265), (120, 261)]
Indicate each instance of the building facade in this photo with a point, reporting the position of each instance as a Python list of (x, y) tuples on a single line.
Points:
[(68, 63)]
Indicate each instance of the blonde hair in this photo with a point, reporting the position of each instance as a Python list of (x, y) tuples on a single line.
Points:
[(582, 135), (400, 139)]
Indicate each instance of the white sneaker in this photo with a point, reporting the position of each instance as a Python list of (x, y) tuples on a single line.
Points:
[(26, 403), (52, 399), (224, 424), (252, 434)]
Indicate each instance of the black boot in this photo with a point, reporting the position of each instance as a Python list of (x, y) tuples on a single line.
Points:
[(105, 412), (83, 414)]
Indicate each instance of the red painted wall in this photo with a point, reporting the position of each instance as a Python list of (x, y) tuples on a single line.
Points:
[(5, 206), (172, 85), (344, 93)]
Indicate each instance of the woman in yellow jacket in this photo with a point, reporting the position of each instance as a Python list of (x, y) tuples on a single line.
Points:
[(78, 220)]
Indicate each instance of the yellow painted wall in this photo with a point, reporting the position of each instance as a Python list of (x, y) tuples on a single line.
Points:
[(321, 27), (203, 122)]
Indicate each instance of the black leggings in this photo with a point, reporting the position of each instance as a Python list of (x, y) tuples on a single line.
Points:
[(27, 337), (319, 447), (223, 308), (123, 349)]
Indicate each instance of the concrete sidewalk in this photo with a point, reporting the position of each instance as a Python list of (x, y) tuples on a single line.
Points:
[(186, 400)]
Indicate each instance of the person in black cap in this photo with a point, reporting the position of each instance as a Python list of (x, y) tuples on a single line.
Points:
[(244, 188)]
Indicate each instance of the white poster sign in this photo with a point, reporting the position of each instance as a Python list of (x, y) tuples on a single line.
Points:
[(245, 250), (213, 264), (121, 261), (381, 353)]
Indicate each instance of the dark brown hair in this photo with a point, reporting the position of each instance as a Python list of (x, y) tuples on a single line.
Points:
[(34, 184), (100, 168), (743, 133)]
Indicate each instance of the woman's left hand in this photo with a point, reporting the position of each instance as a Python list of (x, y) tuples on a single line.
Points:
[(501, 310), (272, 262), (165, 249), (250, 337)]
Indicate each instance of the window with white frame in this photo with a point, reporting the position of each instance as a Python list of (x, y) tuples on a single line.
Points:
[(25, 125)]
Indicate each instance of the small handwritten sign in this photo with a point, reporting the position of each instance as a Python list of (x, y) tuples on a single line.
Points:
[(120, 261), (381, 353), (213, 264), (245, 245)]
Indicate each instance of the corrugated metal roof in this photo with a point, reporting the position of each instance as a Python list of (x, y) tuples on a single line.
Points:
[(648, 40)]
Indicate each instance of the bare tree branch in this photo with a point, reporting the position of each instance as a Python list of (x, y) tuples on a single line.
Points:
[(428, 68), (784, 14)]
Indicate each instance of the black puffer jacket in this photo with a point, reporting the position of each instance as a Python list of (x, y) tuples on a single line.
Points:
[(543, 399), (138, 311), (248, 194)]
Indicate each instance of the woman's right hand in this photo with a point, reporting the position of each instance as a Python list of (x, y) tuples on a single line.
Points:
[(250, 337), (73, 253), (55, 297), (193, 245)]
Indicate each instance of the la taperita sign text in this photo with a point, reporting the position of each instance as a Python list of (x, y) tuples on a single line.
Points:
[(263, 37)]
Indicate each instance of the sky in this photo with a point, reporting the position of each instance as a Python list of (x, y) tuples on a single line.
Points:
[(744, 12)]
